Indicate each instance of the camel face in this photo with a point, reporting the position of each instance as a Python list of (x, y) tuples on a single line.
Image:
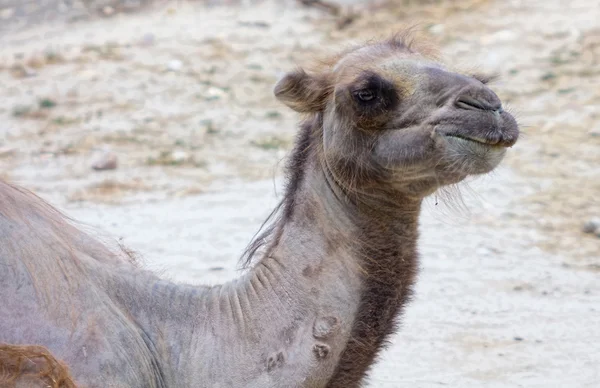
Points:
[(394, 117)]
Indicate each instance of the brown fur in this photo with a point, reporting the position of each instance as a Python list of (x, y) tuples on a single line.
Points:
[(28, 366), (295, 171), (390, 264)]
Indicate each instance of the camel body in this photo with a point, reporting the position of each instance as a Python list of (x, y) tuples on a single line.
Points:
[(386, 125)]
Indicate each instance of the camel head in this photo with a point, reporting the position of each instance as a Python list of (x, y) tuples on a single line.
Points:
[(391, 119)]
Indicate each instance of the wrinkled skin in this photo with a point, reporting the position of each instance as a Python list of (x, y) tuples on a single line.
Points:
[(386, 126)]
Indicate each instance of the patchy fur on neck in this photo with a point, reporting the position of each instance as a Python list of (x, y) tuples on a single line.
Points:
[(269, 233), (385, 243)]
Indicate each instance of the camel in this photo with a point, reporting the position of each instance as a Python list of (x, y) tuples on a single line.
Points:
[(385, 125)]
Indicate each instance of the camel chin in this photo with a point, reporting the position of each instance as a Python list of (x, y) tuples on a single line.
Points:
[(472, 157)]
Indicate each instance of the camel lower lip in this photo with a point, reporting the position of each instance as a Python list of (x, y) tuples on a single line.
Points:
[(475, 140)]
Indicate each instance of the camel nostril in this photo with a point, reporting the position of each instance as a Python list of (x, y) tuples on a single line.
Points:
[(468, 102)]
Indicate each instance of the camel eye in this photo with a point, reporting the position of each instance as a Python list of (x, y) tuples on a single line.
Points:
[(372, 96), (365, 95)]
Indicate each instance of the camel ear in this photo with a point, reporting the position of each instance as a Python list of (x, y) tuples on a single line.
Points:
[(303, 92), (486, 78)]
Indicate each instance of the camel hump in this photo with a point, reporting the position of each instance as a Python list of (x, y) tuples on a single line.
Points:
[(30, 226)]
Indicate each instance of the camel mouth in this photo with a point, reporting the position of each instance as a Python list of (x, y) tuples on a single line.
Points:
[(495, 130), (480, 140), (473, 155)]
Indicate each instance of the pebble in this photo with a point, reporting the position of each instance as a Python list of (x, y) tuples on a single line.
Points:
[(89, 75), (594, 131), (131, 5), (214, 93), (106, 161), (6, 151), (437, 29), (174, 65), (7, 13), (108, 11), (148, 39), (502, 36), (179, 156), (23, 71), (592, 226)]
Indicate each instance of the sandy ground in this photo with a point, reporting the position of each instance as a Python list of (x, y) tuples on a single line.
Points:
[(181, 94)]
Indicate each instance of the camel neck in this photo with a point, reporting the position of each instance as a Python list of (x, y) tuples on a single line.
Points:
[(385, 248), (314, 311), (341, 264)]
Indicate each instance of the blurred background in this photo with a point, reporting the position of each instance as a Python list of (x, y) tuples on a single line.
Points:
[(154, 121)]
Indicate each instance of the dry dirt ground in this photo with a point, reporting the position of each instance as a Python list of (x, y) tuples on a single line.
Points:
[(180, 92)]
